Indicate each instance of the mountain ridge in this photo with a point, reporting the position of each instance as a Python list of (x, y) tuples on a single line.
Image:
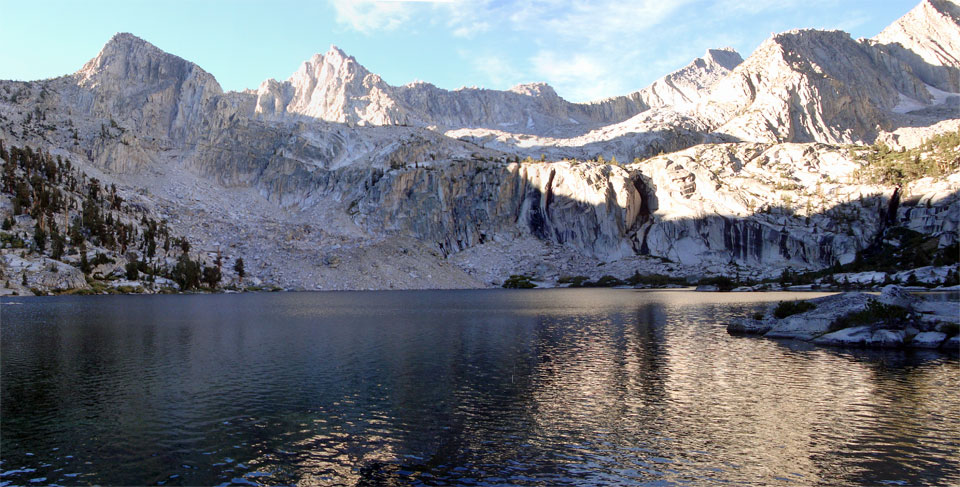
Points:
[(739, 165)]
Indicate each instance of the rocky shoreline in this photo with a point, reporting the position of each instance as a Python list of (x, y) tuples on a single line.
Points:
[(894, 318)]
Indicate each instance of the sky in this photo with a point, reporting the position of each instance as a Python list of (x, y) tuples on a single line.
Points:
[(585, 49)]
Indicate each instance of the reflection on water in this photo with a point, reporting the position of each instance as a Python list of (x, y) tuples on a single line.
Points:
[(465, 387)]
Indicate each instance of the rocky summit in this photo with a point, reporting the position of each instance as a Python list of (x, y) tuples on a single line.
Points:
[(818, 151)]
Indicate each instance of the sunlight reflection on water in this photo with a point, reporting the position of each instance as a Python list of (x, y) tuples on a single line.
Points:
[(466, 387)]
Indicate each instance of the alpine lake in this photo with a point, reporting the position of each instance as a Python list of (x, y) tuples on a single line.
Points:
[(481, 387)]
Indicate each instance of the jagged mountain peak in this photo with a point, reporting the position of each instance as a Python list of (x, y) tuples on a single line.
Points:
[(335, 63), (931, 30), (336, 53), (727, 57), (130, 60), (535, 89), (125, 40)]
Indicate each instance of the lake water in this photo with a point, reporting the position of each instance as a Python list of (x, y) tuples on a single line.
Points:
[(522, 387)]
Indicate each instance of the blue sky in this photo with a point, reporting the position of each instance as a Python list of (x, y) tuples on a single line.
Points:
[(586, 50)]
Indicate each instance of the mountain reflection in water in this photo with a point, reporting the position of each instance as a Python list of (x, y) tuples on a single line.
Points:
[(540, 387)]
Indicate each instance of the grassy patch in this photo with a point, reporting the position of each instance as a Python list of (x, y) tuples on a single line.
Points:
[(129, 289)]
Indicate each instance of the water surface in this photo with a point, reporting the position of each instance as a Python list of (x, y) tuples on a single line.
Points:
[(538, 387)]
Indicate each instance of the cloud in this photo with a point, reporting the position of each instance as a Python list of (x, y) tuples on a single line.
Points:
[(590, 49), (495, 68), (598, 23), (367, 16), (581, 76)]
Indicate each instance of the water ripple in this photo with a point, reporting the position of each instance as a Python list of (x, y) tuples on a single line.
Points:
[(562, 387)]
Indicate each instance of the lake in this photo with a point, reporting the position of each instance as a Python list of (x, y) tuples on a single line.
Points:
[(487, 387)]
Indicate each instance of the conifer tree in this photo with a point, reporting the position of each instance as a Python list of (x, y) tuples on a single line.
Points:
[(39, 237), (238, 268)]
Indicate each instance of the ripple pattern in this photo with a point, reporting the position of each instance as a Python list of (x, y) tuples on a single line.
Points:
[(551, 387)]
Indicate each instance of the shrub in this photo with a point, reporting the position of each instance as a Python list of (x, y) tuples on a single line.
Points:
[(723, 283), (518, 281), (876, 313), (654, 280), (950, 329), (13, 240), (132, 271), (934, 158), (608, 281), (573, 281), (789, 308)]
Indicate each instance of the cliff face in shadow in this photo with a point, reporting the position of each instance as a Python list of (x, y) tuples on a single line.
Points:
[(750, 204)]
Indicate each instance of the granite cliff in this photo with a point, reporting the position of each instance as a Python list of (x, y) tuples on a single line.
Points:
[(335, 179)]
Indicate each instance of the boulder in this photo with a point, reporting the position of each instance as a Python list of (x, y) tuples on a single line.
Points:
[(817, 321), (749, 326), (864, 336), (897, 296), (928, 339), (952, 344)]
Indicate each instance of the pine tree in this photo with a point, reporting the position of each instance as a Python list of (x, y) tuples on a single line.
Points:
[(84, 263), (211, 276), (39, 237), (59, 244), (238, 268)]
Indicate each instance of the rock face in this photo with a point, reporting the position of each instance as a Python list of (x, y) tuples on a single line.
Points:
[(335, 87), (686, 87), (590, 207), (821, 324), (807, 86), (113, 84), (739, 159), (926, 39), (42, 274), (864, 336)]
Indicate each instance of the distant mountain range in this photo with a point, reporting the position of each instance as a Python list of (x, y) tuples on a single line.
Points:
[(392, 180)]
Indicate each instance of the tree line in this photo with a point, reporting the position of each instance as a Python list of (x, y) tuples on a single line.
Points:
[(74, 213)]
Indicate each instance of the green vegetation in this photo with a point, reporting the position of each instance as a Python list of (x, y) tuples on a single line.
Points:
[(582, 281), (899, 248), (723, 283), (606, 281), (72, 212), (950, 329), (637, 279), (877, 314), (238, 268), (655, 280), (573, 281), (789, 308), (936, 157), (519, 281), (11, 240)]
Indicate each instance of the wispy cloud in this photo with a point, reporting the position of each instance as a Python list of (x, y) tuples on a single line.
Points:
[(587, 49), (581, 76), (369, 16), (495, 68)]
